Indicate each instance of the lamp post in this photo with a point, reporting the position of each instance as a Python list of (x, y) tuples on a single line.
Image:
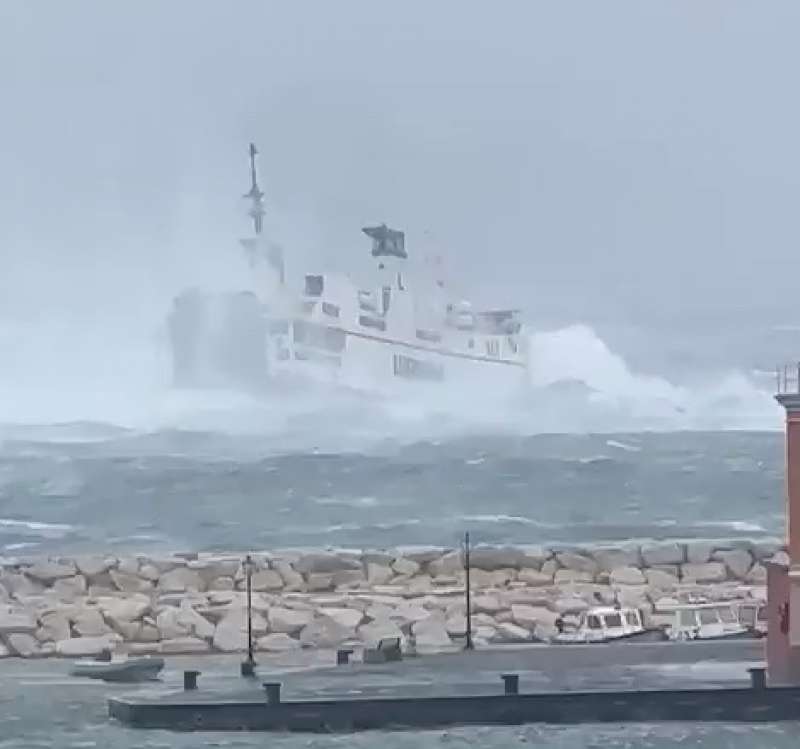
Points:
[(249, 665), (468, 645)]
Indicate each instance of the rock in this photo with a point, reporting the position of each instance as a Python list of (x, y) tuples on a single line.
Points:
[(22, 644), (661, 580), (378, 574), (570, 577), (698, 552), (4, 651), (180, 645), (347, 579), (662, 552), (456, 625), (288, 621), (666, 604), (92, 566), (371, 633), (490, 558), (222, 583), (196, 624), (533, 557), (13, 620), (230, 634), (47, 571), (627, 576), (180, 580), (481, 579), (408, 613), (292, 579), (128, 566), (20, 586), (277, 642), (53, 626), (534, 578), (509, 632), (127, 583), (319, 581), (710, 572), (757, 574), (737, 561), (323, 632), (86, 646), (323, 562), (549, 567), (346, 618), (124, 610), (431, 635), (70, 588), (609, 558), (577, 562), (765, 549), (263, 580), (89, 623), (634, 596), (529, 617), (570, 605), (403, 566), (488, 604), (450, 564), (139, 632), (149, 572)]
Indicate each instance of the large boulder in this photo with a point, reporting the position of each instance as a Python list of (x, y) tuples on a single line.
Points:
[(263, 580), (278, 642), (77, 647), (379, 574), (757, 574), (325, 562), (698, 552), (431, 635), (181, 580), (20, 586), (448, 564), (627, 576), (53, 626), (404, 566), (22, 644), (70, 588), (534, 578), (487, 604), (118, 610), (346, 618), (230, 634), (16, 620), (609, 558), (570, 605), (510, 632), (737, 561), (324, 632), (181, 645), (531, 617), (288, 621), (710, 572), (89, 623), (571, 577), (92, 566), (292, 579), (577, 562), (491, 558), (372, 632), (127, 583), (660, 579), (48, 571), (663, 552)]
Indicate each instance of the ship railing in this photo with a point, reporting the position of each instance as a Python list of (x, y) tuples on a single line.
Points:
[(787, 379)]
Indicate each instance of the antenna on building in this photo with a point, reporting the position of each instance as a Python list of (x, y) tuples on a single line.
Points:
[(255, 195)]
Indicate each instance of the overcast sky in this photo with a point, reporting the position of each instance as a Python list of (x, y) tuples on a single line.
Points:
[(584, 160)]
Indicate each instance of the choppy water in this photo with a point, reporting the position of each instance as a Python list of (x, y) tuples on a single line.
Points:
[(88, 487)]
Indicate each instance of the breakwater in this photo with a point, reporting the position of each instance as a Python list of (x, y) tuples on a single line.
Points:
[(195, 602)]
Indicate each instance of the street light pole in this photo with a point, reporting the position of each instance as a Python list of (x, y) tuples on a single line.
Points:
[(249, 665), (468, 645)]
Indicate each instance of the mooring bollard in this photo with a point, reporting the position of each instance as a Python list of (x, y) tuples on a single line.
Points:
[(190, 680), (758, 678), (510, 683), (273, 690), (343, 657)]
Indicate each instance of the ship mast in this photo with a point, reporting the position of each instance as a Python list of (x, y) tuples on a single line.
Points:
[(255, 195)]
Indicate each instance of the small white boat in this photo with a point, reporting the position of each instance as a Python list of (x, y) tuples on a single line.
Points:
[(127, 669), (607, 624), (706, 621)]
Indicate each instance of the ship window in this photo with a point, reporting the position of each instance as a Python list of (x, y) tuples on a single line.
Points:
[(631, 618), (429, 335), (708, 616), (593, 622), (405, 366), (371, 322), (726, 615), (613, 620), (315, 285), (763, 614), (332, 310), (688, 618)]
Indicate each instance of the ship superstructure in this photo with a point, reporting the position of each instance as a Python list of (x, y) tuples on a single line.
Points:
[(399, 328)]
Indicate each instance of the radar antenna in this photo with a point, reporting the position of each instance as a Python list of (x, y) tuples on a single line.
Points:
[(257, 208)]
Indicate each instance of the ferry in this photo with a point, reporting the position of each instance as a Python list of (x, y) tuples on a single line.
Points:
[(603, 624), (401, 327)]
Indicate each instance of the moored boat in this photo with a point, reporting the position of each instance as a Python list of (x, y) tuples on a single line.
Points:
[(144, 668)]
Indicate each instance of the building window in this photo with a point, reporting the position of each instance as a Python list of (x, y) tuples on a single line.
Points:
[(371, 322), (332, 310), (315, 285)]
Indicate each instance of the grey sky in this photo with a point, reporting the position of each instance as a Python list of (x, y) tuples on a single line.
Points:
[(584, 160)]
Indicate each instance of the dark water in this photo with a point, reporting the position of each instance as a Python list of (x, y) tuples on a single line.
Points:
[(88, 487), (76, 719)]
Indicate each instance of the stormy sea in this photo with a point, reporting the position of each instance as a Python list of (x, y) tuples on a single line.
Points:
[(592, 452)]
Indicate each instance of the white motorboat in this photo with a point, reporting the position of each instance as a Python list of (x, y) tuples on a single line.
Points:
[(144, 668), (607, 624), (753, 617), (706, 621)]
